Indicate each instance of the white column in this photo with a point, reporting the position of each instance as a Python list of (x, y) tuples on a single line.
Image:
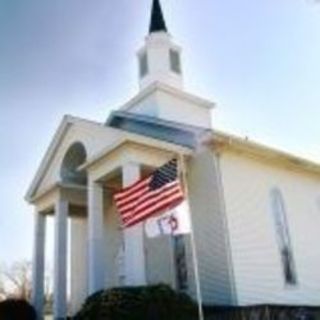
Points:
[(38, 264), (133, 237), (60, 260), (96, 241), (78, 262)]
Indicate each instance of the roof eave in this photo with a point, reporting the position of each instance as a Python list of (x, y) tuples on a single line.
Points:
[(65, 124), (221, 141), (134, 138), (167, 89), (67, 120)]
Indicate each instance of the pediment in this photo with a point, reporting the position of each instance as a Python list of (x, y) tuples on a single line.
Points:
[(94, 137)]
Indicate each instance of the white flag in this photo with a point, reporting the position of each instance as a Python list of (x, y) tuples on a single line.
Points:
[(174, 222)]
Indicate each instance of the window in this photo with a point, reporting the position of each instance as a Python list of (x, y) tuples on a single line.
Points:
[(143, 64), (175, 61), (318, 203), (180, 263), (73, 159), (283, 237)]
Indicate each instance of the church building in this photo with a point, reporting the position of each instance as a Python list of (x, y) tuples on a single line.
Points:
[(255, 211)]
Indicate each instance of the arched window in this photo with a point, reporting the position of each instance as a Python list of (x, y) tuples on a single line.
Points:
[(283, 236), (74, 157)]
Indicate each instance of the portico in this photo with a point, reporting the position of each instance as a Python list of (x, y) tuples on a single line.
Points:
[(67, 204), (100, 254)]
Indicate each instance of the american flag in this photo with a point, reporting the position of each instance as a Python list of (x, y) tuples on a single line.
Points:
[(149, 196)]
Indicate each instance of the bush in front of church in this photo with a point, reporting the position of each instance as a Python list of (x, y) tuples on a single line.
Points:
[(15, 309), (158, 302)]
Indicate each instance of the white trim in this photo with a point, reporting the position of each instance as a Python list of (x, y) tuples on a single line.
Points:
[(46, 161), (54, 187), (63, 128), (222, 141), (158, 86), (149, 142)]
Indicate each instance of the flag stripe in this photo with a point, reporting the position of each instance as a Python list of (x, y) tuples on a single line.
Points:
[(132, 189), (143, 199), (157, 199), (133, 197), (145, 205)]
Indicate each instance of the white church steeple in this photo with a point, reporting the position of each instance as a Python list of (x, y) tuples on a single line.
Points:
[(159, 59), (161, 94)]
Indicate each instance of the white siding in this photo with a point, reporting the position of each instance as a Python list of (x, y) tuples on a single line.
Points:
[(174, 108), (147, 106), (210, 231), (170, 107), (256, 259)]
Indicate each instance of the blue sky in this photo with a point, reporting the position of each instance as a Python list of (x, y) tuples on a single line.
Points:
[(258, 60)]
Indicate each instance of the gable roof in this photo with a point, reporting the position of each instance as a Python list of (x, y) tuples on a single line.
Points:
[(192, 136), (126, 136), (170, 131), (65, 124), (44, 164), (149, 130)]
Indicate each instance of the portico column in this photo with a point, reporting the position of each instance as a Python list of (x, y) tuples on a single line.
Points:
[(60, 260), (133, 237), (78, 261), (96, 237), (38, 264)]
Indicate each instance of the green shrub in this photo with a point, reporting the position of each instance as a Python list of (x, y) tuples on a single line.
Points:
[(138, 303)]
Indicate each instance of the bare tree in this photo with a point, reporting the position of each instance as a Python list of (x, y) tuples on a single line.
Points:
[(3, 294), (2, 291), (16, 280)]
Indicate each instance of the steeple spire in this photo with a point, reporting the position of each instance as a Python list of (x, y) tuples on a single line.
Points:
[(157, 22)]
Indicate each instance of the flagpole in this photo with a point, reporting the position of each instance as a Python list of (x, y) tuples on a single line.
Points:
[(192, 238)]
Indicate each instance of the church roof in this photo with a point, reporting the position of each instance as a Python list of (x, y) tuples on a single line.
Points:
[(122, 136), (157, 22), (171, 135), (165, 130), (191, 136), (226, 141)]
